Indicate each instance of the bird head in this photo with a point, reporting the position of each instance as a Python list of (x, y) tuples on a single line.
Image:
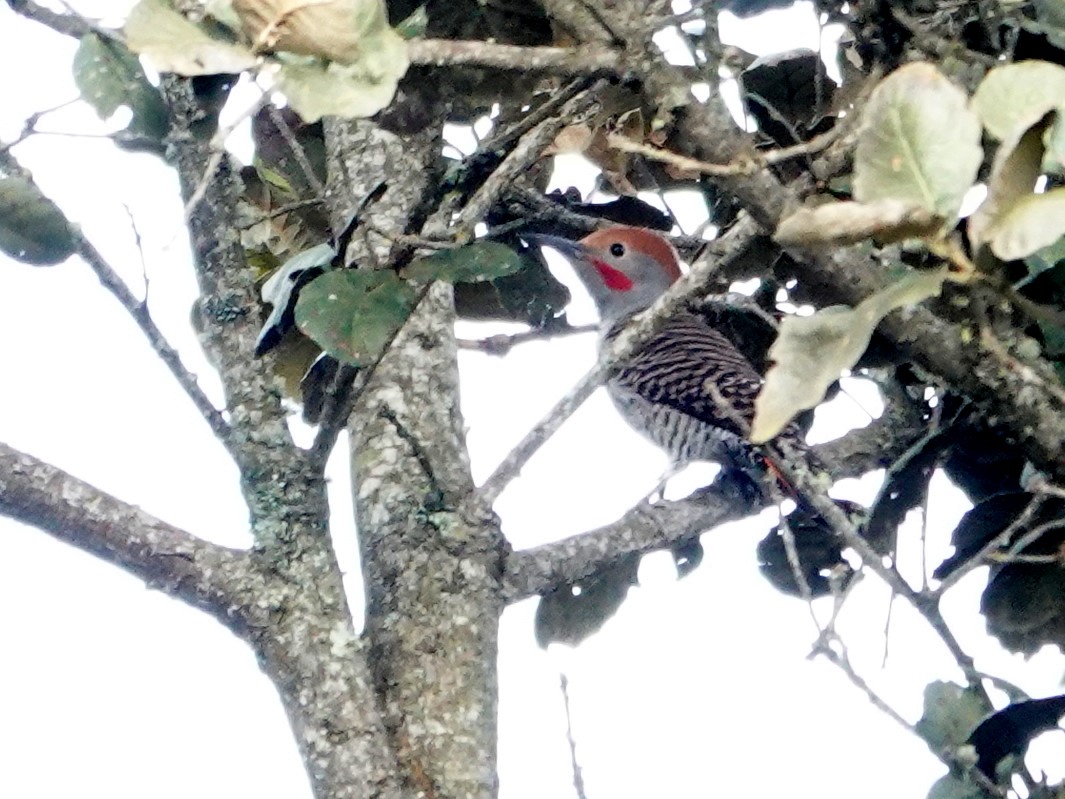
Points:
[(625, 269)]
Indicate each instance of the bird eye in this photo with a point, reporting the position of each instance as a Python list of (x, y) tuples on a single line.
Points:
[(617, 249)]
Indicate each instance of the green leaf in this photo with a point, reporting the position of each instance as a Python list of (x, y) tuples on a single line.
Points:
[(32, 228), (951, 713), (353, 314), (1033, 222), (275, 179), (1015, 96), (919, 143), (811, 351), (315, 89), (415, 24), (950, 787), (481, 260), (109, 76), (1013, 177), (173, 44)]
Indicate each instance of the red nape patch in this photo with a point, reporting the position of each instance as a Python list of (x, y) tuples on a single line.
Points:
[(615, 279)]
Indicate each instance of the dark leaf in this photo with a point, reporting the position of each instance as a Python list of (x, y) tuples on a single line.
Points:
[(630, 211), (32, 228), (904, 488), (1008, 731), (572, 612), (981, 460), (980, 526), (353, 314), (687, 555), (819, 552), (531, 295), (788, 94), (315, 385)]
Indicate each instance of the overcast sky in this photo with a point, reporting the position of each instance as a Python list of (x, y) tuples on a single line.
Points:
[(697, 687)]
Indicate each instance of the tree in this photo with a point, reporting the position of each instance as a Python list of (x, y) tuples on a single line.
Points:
[(331, 270)]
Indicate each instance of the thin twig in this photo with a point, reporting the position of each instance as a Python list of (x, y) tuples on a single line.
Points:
[(297, 151), (578, 775), (745, 165), (503, 343), (841, 660), (138, 310), (526, 152), (502, 139), (998, 542), (282, 210)]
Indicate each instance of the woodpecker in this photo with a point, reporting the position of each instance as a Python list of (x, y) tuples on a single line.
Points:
[(661, 389)]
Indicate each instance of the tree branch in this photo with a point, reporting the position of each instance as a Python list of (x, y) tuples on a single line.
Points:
[(66, 24), (138, 310), (168, 559), (552, 60), (646, 528)]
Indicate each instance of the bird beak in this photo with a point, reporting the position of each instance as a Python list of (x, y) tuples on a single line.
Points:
[(573, 250)]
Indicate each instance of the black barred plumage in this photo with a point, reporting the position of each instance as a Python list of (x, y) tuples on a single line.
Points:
[(662, 390)]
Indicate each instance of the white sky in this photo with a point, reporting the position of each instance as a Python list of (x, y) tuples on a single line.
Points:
[(695, 688)]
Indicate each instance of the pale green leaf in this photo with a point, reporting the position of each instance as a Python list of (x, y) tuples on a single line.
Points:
[(1054, 142), (837, 223), (32, 228), (951, 713), (1033, 222), (173, 44), (353, 314), (315, 89), (481, 260), (1013, 177), (1015, 96), (811, 351), (919, 142)]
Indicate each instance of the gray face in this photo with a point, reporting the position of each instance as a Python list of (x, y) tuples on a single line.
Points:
[(621, 279)]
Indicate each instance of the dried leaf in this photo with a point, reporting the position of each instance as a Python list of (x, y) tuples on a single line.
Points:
[(344, 31)]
